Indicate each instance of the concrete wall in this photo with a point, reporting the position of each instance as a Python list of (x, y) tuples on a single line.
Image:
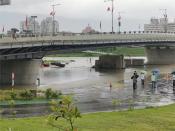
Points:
[(160, 55), (26, 71), (110, 62), (134, 62)]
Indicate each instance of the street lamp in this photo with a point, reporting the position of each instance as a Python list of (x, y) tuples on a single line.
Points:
[(112, 13), (53, 15), (34, 17)]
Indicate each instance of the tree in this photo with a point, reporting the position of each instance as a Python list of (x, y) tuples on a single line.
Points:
[(65, 109)]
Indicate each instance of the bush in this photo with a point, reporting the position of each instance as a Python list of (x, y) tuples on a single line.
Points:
[(50, 94), (13, 95), (27, 95), (65, 109), (56, 94)]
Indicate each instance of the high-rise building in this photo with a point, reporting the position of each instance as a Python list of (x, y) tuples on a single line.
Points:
[(47, 26), (160, 25), (30, 26)]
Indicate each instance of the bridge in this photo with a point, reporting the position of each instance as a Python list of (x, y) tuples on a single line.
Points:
[(23, 55)]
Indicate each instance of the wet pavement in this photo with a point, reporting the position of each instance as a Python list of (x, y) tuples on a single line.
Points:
[(91, 89)]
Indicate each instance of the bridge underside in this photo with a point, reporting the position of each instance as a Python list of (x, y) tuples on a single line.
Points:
[(160, 55), (26, 71), (21, 51), (25, 61)]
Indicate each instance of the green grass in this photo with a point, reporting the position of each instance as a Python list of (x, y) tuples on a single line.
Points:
[(27, 102), (152, 119), (126, 51)]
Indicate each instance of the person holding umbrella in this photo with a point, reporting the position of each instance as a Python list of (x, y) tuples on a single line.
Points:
[(153, 80), (14, 30), (155, 75), (134, 78)]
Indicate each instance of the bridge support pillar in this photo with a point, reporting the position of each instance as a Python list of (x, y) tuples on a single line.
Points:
[(25, 71), (160, 55)]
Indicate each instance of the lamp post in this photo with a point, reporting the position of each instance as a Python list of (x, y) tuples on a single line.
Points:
[(112, 13), (53, 17), (34, 17)]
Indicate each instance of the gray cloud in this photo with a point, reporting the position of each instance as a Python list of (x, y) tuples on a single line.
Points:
[(76, 14)]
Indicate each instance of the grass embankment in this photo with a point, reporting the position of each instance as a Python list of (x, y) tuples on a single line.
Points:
[(126, 51), (153, 119)]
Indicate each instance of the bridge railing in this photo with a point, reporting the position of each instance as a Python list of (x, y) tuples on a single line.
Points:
[(81, 39)]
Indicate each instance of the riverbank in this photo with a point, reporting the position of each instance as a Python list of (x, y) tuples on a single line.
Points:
[(126, 51), (152, 119)]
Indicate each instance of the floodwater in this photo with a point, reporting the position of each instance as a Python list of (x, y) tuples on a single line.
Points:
[(91, 88)]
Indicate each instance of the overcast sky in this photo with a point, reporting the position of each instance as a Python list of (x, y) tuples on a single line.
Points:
[(74, 15)]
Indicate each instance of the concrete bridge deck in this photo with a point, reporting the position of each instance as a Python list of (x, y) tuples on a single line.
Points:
[(37, 47), (92, 39)]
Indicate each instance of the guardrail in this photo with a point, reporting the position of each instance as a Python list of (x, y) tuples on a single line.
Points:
[(9, 42)]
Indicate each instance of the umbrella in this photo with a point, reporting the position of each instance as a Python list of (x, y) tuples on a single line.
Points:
[(14, 29), (156, 71), (143, 72)]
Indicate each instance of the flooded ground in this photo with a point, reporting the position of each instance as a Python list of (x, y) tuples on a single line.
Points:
[(91, 88)]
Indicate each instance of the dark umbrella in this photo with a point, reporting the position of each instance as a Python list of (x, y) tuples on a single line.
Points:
[(14, 30)]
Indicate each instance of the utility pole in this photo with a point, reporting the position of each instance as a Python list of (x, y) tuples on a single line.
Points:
[(165, 18), (112, 16), (119, 20), (53, 17), (34, 30), (112, 13), (139, 27)]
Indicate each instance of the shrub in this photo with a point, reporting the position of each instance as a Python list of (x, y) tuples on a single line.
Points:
[(13, 95), (27, 95), (65, 109), (56, 94), (50, 94)]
